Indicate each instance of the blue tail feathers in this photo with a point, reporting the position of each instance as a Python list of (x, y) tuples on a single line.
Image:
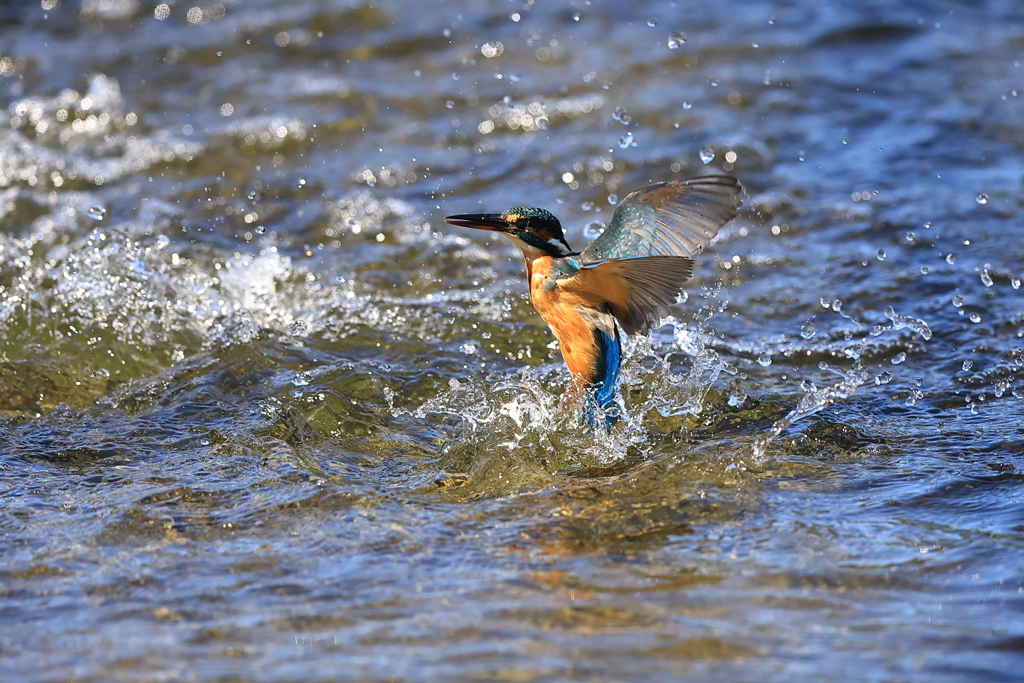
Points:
[(599, 408)]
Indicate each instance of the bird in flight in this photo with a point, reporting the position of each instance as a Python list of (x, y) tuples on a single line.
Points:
[(630, 274)]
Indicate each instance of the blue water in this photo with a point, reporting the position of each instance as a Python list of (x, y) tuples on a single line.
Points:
[(265, 417)]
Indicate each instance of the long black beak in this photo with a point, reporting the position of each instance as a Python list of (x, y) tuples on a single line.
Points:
[(480, 221)]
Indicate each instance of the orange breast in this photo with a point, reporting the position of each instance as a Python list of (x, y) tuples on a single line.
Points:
[(558, 308)]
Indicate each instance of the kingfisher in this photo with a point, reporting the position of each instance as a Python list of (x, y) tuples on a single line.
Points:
[(629, 275)]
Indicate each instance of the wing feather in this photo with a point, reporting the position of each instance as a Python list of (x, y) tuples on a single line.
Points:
[(677, 218), (637, 291)]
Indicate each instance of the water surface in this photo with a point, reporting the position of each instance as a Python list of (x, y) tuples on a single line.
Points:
[(264, 416)]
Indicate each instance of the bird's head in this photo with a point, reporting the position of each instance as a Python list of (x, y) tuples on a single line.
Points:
[(536, 231)]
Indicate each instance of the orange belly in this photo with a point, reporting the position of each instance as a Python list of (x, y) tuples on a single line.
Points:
[(559, 310)]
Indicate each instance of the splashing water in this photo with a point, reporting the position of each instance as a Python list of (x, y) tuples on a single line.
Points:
[(811, 403)]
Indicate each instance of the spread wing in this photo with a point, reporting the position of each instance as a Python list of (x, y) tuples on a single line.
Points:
[(637, 291), (677, 218)]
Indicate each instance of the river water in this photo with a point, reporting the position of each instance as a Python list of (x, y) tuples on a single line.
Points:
[(264, 416)]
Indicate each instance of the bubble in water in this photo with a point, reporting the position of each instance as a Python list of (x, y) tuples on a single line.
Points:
[(808, 330), (825, 302), (950, 259), (622, 116), (1018, 392), (881, 254), (968, 364), (687, 105), (982, 198), (1015, 282), (297, 328), (652, 22), (469, 348), (755, 45), (260, 229), (883, 378), (958, 300), (301, 379), (613, 199), (846, 141), (676, 40), (714, 82), (764, 360), (707, 155), (898, 358), (97, 213), (975, 318), (627, 141), (986, 278)]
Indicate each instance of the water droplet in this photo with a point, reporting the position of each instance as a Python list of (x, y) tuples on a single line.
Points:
[(1015, 282), (676, 40), (808, 330), (714, 82), (974, 318), (881, 254), (986, 279), (97, 213), (626, 140), (587, 206), (301, 379), (469, 348), (297, 328), (755, 45), (982, 198), (958, 300), (846, 141), (204, 442), (737, 394), (622, 116), (687, 105), (899, 358), (260, 229), (883, 378), (927, 224), (162, 242), (707, 155), (825, 303), (652, 22), (593, 229), (613, 199), (767, 80), (950, 259), (448, 104), (576, 17), (968, 364), (924, 270), (771, 20), (764, 360), (1018, 392), (455, 76), (801, 155)]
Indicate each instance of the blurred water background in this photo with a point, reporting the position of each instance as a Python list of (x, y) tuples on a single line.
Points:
[(264, 416)]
